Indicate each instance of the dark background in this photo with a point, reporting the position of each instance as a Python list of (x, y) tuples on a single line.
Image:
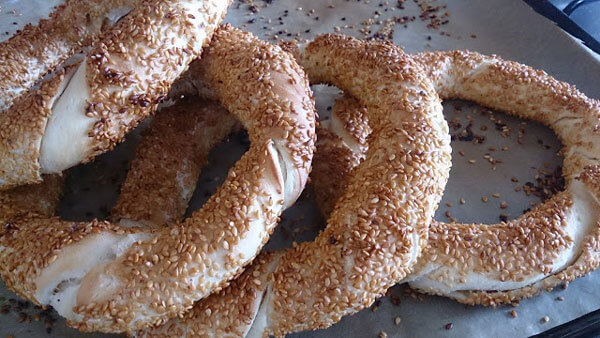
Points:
[(580, 18)]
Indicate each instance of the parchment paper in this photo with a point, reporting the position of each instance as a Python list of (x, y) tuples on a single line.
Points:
[(505, 27)]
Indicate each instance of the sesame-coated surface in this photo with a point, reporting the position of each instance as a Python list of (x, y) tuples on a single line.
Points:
[(267, 74), (131, 68), (163, 174), (37, 49), (369, 243), (125, 75), (205, 122), (22, 130), (345, 121), (227, 313), (42, 198), (380, 225), (523, 91), (497, 250), (501, 263), (134, 277)]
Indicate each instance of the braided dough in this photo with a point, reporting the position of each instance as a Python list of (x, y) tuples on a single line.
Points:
[(37, 50), (501, 263), (137, 276), (369, 243), (87, 108)]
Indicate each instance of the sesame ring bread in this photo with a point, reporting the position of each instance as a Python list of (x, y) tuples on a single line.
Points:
[(369, 243), (137, 276), (85, 109), (500, 263), (163, 173), (37, 50)]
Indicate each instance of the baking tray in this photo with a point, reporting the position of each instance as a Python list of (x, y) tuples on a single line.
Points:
[(504, 27)]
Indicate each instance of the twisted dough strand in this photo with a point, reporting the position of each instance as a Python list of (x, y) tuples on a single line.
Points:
[(237, 308), (479, 263), (135, 277), (88, 108), (369, 243), (37, 50)]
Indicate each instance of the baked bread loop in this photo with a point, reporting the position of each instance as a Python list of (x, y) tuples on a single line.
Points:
[(379, 227), (88, 108), (500, 263), (248, 75), (163, 173), (550, 245), (166, 152), (369, 243), (134, 277), (457, 255), (37, 50)]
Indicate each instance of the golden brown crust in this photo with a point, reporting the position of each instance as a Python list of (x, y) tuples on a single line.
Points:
[(31, 243), (22, 129), (227, 313), (162, 176), (155, 275), (524, 249), (131, 68), (125, 75), (343, 160), (586, 261), (347, 115), (315, 284), (369, 243), (271, 75), (523, 91), (328, 190), (37, 50)]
